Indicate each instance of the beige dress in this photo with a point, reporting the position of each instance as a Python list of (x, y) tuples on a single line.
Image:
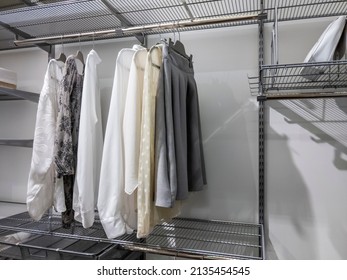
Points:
[(148, 214)]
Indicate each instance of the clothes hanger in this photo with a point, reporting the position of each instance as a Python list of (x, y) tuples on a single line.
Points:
[(179, 48), (62, 56), (79, 54), (179, 45)]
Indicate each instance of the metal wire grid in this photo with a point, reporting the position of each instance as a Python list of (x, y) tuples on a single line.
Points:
[(209, 238), (15, 4), (197, 237), (53, 247), (253, 83), (304, 9), (10, 253), (53, 17), (142, 12), (302, 77), (325, 75), (61, 18), (66, 17), (145, 12)]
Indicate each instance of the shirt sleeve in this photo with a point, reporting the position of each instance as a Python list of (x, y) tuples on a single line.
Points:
[(165, 160), (40, 190)]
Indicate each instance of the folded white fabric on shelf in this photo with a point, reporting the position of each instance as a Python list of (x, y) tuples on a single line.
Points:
[(325, 49)]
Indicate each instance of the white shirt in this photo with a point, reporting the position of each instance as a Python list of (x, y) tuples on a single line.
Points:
[(44, 190), (113, 203), (90, 144)]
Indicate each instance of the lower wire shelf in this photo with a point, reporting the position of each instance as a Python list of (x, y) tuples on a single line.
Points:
[(181, 237)]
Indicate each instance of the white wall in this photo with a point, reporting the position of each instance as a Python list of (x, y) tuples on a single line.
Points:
[(305, 179)]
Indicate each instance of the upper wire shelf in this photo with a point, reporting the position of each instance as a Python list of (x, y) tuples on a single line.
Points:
[(54, 17), (279, 80)]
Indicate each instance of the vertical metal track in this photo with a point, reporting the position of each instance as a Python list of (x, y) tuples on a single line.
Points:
[(261, 133), (261, 162), (261, 119)]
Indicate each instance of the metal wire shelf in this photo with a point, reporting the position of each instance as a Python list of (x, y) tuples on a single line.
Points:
[(304, 9), (182, 237), (54, 17), (323, 79), (37, 246)]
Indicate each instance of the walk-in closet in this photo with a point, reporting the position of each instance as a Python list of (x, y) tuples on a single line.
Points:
[(273, 127)]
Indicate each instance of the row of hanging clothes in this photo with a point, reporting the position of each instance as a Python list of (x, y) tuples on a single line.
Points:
[(150, 156)]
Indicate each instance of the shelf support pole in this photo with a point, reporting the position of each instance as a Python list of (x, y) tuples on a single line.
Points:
[(261, 126), (261, 119)]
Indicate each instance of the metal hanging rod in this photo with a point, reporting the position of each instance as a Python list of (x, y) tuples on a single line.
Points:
[(140, 29)]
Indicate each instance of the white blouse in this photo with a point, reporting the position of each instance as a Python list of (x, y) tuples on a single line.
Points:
[(90, 144), (44, 190)]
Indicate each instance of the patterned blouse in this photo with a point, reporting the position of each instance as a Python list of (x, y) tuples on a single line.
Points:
[(66, 138), (69, 108)]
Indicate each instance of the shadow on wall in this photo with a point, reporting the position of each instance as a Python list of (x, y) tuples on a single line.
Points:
[(326, 120), (290, 204), (231, 191)]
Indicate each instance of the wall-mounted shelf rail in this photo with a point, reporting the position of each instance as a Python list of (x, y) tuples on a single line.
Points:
[(181, 237), (15, 94)]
